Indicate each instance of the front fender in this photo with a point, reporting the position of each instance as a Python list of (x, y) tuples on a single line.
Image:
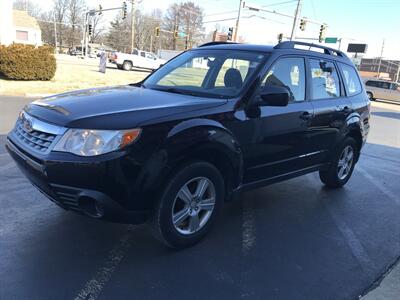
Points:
[(194, 139)]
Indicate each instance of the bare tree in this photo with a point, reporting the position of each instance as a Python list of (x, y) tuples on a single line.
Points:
[(97, 29), (60, 14), (187, 18), (27, 5), (46, 23), (74, 16)]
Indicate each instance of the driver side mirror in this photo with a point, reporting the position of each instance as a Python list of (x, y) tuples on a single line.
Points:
[(273, 95)]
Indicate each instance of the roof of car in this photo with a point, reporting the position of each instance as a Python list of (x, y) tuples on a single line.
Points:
[(287, 46), (238, 46)]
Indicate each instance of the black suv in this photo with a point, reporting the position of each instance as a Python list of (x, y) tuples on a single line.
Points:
[(214, 121)]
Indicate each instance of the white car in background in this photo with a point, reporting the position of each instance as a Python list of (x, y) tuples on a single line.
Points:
[(137, 59), (381, 89)]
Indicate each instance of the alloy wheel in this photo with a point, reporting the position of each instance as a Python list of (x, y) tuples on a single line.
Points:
[(345, 162), (193, 205)]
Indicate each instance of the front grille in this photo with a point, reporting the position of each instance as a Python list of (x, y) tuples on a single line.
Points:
[(33, 134), (34, 139)]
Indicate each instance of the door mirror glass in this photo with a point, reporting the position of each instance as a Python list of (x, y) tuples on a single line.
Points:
[(274, 96)]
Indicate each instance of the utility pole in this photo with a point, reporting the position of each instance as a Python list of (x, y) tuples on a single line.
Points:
[(296, 17), (133, 25), (380, 59), (55, 33), (236, 36)]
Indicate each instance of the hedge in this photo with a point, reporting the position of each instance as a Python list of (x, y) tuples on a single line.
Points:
[(27, 62)]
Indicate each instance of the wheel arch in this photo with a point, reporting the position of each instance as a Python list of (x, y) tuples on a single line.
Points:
[(354, 130), (206, 140)]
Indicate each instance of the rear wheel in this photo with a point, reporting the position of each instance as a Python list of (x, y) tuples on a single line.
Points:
[(370, 96), (188, 205), (342, 165), (127, 65)]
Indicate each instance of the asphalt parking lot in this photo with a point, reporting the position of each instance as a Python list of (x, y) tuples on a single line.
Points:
[(292, 240)]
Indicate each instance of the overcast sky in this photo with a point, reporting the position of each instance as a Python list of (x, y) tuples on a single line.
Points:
[(356, 21)]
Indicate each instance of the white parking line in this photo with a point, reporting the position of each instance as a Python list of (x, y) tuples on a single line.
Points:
[(7, 166), (353, 242), (94, 287), (248, 227), (380, 186)]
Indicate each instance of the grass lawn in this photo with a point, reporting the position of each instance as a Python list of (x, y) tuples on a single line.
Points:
[(73, 73)]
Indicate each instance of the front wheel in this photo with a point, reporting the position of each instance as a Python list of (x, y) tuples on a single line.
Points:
[(342, 165), (370, 96), (188, 205)]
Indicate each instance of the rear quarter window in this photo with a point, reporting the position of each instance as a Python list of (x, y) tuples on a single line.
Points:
[(351, 80)]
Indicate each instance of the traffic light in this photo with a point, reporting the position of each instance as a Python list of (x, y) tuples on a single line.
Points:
[(100, 9), (124, 10), (90, 29), (157, 31), (280, 37), (322, 33), (230, 33), (303, 23)]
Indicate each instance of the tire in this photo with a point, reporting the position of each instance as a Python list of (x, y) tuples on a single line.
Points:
[(192, 219), (127, 66), (370, 96), (342, 166)]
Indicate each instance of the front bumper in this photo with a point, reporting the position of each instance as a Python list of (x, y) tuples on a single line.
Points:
[(95, 188)]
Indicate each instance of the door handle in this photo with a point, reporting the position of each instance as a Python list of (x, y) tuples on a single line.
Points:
[(344, 109), (306, 116)]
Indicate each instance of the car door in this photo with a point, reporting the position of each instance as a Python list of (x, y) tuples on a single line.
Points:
[(276, 140), (331, 106)]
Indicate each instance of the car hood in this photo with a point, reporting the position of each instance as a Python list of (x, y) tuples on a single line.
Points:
[(120, 107)]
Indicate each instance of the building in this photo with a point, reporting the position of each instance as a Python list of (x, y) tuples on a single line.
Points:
[(389, 68), (16, 26)]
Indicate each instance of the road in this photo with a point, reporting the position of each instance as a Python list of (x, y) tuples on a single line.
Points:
[(292, 240)]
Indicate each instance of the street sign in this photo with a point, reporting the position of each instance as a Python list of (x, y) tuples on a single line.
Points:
[(331, 40)]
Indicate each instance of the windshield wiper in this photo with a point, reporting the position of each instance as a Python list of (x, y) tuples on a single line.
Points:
[(175, 91)]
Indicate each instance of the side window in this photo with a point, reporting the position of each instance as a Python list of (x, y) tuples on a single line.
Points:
[(290, 73), (324, 80), (370, 83), (351, 80), (150, 55), (385, 85), (135, 52), (142, 54)]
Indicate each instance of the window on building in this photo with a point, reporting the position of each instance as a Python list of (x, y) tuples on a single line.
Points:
[(21, 35), (351, 80)]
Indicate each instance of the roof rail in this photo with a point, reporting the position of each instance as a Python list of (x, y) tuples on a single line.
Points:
[(292, 44), (216, 43)]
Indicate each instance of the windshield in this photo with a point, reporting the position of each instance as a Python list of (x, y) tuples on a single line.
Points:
[(207, 73)]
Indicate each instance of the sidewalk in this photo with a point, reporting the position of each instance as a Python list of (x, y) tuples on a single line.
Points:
[(388, 289)]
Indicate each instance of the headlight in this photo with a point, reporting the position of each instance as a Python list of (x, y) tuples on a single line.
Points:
[(85, 142)]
